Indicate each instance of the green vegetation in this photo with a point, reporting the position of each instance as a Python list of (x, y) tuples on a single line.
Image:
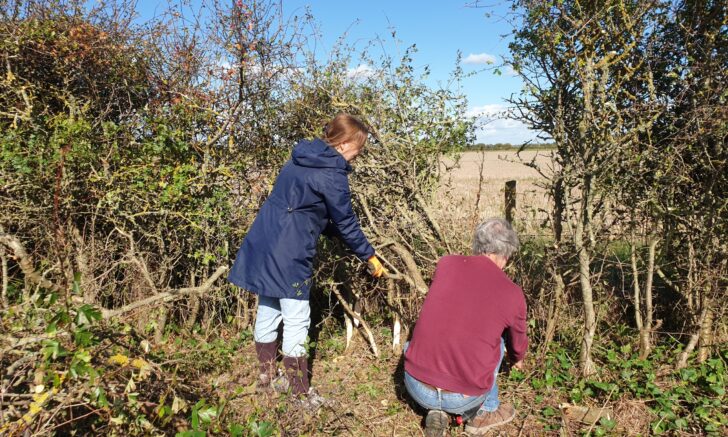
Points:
[(630, 93)]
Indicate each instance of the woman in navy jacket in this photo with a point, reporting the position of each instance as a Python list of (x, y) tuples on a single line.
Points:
[(276, 258)]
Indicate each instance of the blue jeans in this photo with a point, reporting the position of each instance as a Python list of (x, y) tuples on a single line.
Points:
[(296, 317), (454, 403)]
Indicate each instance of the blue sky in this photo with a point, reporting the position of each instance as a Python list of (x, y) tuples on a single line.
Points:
[(439, 29)]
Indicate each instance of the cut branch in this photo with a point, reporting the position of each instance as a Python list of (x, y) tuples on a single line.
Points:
[(355, 316)]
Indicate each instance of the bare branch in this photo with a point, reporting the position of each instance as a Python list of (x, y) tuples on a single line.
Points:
[(25, 262), (166, 296)]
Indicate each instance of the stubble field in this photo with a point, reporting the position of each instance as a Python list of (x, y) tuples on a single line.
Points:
[(473, 189)]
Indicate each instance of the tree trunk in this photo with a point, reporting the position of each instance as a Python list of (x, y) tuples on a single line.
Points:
[(646, 333), (558, 212), (161, 324), (208, 316), (194, 306), (88, 288), (682, 360), (242, 319), (553, 311), (587, 295), (636, 296), (510, 200), (706, 334), (4, 296)]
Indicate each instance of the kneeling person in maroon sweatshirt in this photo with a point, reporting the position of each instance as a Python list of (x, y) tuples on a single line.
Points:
[(473, 315)]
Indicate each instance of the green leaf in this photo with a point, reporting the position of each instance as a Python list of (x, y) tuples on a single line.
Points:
[(99, 396), (202, 412), (681, 423), (87, 314), (236, 430), (82, 355), (689, 375), (548, 411), (52, 328), (195, 418), (516, 375), (163, 410), (720, 391), (60, 317), (607, 423), (53, 349), (262, 429), (537, 383), (207, 414), (83, 337)]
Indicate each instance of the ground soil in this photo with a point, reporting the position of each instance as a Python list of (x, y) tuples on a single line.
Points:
[(366, 397)]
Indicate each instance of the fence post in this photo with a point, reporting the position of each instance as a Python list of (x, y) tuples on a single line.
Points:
[(510, 200)]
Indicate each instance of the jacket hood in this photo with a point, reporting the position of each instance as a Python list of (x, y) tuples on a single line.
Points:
[(318, 154)]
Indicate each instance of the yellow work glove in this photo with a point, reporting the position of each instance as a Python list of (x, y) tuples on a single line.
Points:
[(376, 268)]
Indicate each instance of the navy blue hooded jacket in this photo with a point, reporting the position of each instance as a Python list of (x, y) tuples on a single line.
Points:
[(276, 256)]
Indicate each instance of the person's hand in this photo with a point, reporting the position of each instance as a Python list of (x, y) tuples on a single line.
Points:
[(376, 268), (518, 365)]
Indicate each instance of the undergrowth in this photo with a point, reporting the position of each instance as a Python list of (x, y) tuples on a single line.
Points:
[(79, 373)]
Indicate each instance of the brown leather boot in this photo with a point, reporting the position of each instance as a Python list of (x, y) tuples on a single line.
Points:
[(267, 353), (484, 421), (297, 374)]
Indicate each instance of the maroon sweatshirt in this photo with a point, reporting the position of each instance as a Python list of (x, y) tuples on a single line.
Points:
[(456, 342)]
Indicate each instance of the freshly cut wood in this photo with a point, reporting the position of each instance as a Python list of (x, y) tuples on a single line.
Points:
[(354, 315)]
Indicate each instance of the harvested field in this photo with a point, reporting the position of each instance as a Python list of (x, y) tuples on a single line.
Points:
[(473, 188)]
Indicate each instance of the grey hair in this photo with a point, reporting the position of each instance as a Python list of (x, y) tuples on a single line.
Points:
[(495, 236)]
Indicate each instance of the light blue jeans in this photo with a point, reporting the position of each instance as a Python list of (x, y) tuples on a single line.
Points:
[(454, 403), (296, 317)]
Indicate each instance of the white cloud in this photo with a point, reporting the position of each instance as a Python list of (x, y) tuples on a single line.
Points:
[(493, 110), (362, 71), (479, 59), (232, 66), (493, 125)]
